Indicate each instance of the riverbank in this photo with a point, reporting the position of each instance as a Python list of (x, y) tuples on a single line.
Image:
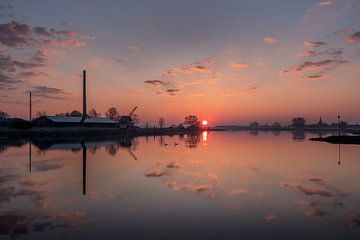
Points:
[(338, 139), (92, 132)]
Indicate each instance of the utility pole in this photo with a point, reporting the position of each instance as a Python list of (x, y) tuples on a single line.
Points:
[(30, 108), (339, 124)]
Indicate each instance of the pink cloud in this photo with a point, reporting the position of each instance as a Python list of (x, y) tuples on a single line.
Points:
[(326, 3), (269, 40), (238, 65)]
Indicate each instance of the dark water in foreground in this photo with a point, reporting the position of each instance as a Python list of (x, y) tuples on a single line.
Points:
[(220, 185)]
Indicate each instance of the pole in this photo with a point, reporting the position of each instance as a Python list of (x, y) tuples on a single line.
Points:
[(30, 108), (339, 124), (84, 94)]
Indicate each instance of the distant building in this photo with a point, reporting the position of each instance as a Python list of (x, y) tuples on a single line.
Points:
[(60, 121)]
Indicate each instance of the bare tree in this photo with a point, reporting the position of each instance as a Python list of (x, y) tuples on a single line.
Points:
[(94, 113), (161, 122), (112, 113), (4, 115), (40, 114)]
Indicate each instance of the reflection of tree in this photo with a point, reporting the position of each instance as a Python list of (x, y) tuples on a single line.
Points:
[(254, 133), (276, 132), (298, 135), (192, 140)]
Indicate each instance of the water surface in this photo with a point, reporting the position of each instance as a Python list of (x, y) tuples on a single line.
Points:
[(217, 185)]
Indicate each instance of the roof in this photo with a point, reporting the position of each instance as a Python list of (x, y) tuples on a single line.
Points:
[(61, 119)]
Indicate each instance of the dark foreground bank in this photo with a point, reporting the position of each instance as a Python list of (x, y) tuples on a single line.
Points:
[(338, 139)]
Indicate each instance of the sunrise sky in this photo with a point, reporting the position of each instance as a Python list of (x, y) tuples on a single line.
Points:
[(230, 62)]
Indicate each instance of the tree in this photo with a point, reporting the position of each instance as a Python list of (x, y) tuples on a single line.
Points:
[(254, 124), (112, 113), (75, 113), (40, 114), (192, 122), (276, 125), (94, 113), (4, 115), (298, 122), (161, 122)]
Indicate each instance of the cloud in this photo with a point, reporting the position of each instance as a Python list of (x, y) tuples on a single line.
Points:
[(173, 91), (269, 40), (326, 3), (33, 75), (238, 65), (314, 44), (134, 47), (14, 34), (156, 83), (353, 37), (315, 65), (198, 67), (48, 92)]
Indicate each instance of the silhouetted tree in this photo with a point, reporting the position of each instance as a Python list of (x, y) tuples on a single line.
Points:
[(276, 125), (254, 124), (343, 125), (161, 122), (4, 115), (75, 113), (192, 122), (298, 122), (94, 113), (40, 114), (112, 113)]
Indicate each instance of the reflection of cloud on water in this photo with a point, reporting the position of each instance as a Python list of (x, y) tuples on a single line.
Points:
[(270, 217), (353, 221), (239, 192), (327, 197), (156, 173), (47, 165)]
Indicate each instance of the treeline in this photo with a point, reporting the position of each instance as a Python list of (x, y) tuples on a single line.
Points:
[(300, 122)]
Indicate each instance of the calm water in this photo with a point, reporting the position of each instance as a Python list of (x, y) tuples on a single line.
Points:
[(220, 185)]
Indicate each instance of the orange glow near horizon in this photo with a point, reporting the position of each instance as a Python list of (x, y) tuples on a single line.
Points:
[(204, 122)]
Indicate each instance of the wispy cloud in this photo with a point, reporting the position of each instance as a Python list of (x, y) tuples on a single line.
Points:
[(314, 44), (326, 3), (134, 47), (353, 37), (48, 92), (316, 65), (238, 65), (198, 67), (269, 39)]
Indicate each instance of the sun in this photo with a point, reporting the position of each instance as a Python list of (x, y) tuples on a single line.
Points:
[(204, 122)]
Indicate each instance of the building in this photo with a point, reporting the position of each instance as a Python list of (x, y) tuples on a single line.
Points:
[(60, 121)]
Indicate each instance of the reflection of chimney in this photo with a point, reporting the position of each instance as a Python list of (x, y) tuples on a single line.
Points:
[(84, 96)]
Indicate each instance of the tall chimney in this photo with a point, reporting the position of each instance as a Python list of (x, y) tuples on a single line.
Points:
[(84, 95)]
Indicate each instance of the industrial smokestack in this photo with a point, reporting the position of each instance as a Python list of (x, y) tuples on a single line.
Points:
[(84, 96)]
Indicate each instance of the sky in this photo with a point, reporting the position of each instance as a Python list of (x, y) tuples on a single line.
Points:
[(229, 62)]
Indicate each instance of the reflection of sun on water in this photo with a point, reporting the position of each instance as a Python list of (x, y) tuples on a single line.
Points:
[(204, 136)]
